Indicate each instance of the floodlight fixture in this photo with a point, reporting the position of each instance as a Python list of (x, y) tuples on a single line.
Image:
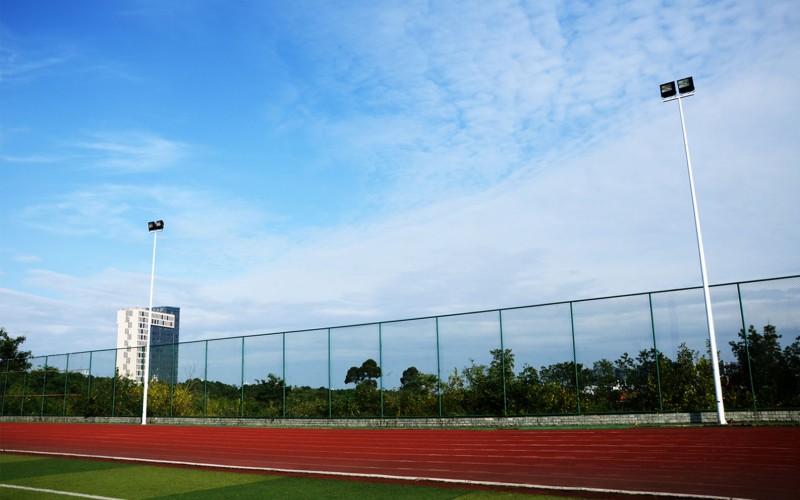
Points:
[(155, 225), (685, 88), (677, 90), (686, 85), (668, 90)]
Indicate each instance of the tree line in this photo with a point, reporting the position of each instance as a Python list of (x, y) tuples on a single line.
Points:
[(764, 376)]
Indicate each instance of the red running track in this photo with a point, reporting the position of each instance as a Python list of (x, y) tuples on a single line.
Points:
[(728, 462)]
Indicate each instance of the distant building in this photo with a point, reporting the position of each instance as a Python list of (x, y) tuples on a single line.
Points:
[(132, 337)]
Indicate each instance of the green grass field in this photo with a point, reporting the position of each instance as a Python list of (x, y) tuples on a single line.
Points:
[(130, 481)]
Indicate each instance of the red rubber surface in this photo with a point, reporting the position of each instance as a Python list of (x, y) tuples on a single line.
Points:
[(759, 463)]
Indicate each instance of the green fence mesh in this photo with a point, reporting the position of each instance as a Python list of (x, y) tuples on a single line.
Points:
[(634, 353)]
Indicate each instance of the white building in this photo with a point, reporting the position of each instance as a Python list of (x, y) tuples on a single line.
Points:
[(132, 339)]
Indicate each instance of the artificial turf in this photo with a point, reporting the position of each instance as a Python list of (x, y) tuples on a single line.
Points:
[(131, 481)]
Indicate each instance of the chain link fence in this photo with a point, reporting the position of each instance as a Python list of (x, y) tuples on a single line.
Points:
[(634, 353)]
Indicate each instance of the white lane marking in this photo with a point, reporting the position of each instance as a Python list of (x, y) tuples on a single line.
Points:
[(56, 492)]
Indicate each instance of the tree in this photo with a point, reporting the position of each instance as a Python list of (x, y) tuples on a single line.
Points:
[(525, 392), (502, 367), (267, 390), (603, 386), (166, 400), (11, 358), (367, 373), (560, 373), (416, 381), (266, 397), (687, 384), (365, 399), (418, 394), (560, 390), (792, 356), (759, 355), (487, 386)]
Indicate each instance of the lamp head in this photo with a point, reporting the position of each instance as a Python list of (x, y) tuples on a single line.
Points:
[(155, 225), (686, 85), (668, 90)]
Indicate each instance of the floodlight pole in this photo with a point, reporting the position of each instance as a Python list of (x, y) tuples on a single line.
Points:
[(153, 227), (706, 291)]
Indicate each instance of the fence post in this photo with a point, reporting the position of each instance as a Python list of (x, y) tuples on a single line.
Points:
[(380, 361), (5, 389), (503, 363), (89, 384), (113, 384), (24, 384), (283, 373), (241, 401), (66, 378), (173, 374), (44, 385), (330, 389), (747, 348), (205, 383), (575, 359), (655, 350), (438, 369)]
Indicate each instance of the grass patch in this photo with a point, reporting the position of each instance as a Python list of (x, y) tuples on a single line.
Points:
[(134, 482)]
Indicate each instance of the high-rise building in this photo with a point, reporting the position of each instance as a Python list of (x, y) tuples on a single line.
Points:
[(164, 338)]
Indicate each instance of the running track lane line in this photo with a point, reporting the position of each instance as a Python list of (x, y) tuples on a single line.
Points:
[(465, 482)]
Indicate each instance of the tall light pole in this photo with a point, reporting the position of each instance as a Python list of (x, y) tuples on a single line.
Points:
[(670, 92), (154, 227)]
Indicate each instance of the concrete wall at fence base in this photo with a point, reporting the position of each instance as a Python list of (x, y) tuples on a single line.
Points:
[(641, 419)]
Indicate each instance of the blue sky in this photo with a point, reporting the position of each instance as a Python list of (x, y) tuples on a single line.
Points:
[(328, 163)]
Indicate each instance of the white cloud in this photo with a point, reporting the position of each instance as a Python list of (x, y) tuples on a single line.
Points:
[(439, 98), (55, 326), (132, 152), (102, 210), (27, 259), (20, 64), (25, 59), (113, 152)]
